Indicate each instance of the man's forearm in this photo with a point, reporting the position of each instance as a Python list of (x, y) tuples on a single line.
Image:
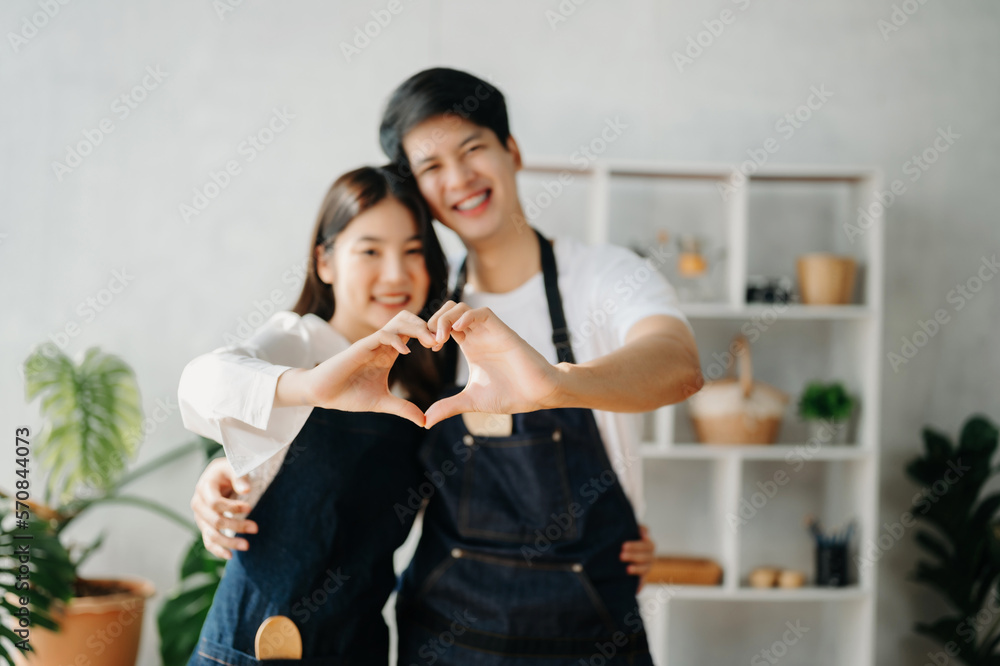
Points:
[(655, 370)]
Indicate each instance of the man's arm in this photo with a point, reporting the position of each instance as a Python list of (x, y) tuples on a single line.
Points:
[(658, 365)]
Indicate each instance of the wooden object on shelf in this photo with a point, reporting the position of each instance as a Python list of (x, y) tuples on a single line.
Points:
[(738, 411), (685, 571), (790, 578), (763, 577), (825, 278)]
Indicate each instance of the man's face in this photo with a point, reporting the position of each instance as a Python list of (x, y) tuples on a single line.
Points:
[(467, 176)]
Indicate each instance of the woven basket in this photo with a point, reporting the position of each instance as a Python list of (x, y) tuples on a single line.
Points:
[(738, 410)]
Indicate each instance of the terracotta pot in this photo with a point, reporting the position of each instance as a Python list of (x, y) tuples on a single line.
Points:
[(101, 630), (826, 279)]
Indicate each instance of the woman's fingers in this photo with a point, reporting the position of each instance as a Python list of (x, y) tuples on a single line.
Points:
[(432, 322), (410, 325), (447, 321)]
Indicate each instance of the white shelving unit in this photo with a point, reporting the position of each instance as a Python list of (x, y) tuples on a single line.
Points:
[(695, 493)]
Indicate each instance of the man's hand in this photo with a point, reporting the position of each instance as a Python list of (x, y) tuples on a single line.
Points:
[(640, 554), (357, 379), (506, 375), (212, 499)]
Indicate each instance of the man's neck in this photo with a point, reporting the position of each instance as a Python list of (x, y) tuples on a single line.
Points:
[(504, 262)]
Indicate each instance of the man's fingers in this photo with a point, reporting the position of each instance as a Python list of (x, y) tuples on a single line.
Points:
[(218, 551), (471, 317), (214, 521), (221, 505), (400, 407), (448, 407)]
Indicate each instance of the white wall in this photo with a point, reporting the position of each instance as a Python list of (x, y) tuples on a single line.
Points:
[(60, 240)]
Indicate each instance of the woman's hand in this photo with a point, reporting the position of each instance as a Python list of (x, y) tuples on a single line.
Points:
[(212, 500), (506, 375), (357, 379), (640, 554)]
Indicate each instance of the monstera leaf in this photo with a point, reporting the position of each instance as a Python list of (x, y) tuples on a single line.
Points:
[(93, 419)]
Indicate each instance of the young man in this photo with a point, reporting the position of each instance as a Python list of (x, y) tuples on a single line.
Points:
[(521, 540)]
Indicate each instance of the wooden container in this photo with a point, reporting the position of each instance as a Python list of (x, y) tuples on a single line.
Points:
[(826, 279), (738, 411), (685, 571)]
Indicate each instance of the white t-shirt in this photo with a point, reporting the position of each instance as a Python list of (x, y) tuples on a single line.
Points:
[(605, 290), (227, 395)]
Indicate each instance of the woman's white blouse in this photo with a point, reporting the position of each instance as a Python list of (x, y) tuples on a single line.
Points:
[(227, 395)]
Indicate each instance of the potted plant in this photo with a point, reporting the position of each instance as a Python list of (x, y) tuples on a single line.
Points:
[(93, 425), (962, 543), (827, 408)]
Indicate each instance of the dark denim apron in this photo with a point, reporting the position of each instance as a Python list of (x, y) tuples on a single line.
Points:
[(328, 528), (518, 562)]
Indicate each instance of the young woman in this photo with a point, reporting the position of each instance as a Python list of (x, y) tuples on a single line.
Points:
[(317, 378)]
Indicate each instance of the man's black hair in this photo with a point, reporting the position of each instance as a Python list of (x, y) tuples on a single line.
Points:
[(437, 92)]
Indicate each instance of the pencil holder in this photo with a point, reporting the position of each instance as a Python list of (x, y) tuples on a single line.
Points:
[(831, 564)]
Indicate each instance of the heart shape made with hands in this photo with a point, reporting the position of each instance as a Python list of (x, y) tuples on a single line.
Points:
[(506, 375)]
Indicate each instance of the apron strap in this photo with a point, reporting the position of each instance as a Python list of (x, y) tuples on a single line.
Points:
[(560, 331)]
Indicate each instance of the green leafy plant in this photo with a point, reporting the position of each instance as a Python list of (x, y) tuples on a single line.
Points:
[(962, 546), (93, 425), (828, 402)]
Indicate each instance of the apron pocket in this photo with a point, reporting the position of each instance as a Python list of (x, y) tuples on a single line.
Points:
[(516, 489), (510, 597), (210, 653)]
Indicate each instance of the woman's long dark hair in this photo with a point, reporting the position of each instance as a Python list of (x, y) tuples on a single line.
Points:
[(349, 196)]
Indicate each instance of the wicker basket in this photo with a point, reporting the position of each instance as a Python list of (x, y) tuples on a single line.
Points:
[(738, 411)]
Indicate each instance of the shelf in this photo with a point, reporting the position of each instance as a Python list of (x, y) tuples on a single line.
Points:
[(796, 311), (756, 452), (708, 593)]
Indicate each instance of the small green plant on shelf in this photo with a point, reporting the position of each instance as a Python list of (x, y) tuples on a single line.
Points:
[(961, 546), (93, 425), (829, 402), (827, 408)]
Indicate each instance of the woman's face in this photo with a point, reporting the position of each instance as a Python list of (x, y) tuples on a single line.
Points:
[(376, 267)]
